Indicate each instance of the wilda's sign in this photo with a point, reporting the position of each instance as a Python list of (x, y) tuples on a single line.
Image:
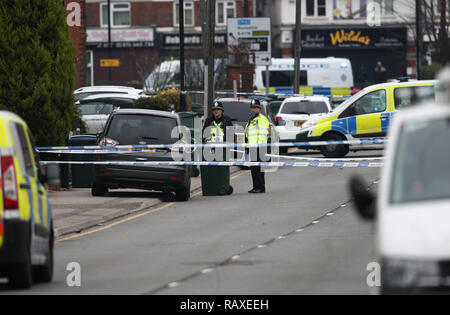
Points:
[(341, 37), (359, 38)]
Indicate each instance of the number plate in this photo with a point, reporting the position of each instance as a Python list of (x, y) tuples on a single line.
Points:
[(299, 123)]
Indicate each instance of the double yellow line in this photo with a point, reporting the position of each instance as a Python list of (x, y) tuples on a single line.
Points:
[(109, 226)]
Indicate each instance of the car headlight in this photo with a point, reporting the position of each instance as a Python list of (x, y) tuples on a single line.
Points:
[(406, 274)]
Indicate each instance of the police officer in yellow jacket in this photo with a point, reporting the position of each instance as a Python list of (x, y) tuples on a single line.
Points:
[(257, 132)]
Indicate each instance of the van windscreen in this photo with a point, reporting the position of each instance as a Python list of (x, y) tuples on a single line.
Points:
[(284, 78)]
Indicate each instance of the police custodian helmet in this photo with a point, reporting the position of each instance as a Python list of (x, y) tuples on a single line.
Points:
[(255, 104), (218, 105)]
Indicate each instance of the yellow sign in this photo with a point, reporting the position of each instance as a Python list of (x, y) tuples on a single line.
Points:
[(342, 36), (109, 63)]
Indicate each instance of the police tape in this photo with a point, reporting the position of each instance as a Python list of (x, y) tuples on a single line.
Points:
[(262, 94), (325, 160), (238, 164), (131, 148)]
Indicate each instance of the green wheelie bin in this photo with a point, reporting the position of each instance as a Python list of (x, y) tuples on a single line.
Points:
[(216, 180), (82, 174)]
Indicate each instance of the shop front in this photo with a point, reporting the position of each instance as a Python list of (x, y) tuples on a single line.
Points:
[(364, 46), (133, 47)]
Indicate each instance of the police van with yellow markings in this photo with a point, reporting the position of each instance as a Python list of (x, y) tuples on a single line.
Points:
[(365, 115), (26, 229)]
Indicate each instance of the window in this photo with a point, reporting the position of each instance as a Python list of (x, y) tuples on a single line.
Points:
[(89, 68), (284, 78), (188, 13), (421, 171), (371, 103), (22, 149), (316, 8), (407, 96), (120, 15), (387, 6), (302, 108), (225, 10)]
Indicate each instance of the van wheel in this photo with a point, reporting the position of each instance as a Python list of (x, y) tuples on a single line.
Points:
[(184, 194), (20, 276), (98, 190), (334, 151), (44, 274)]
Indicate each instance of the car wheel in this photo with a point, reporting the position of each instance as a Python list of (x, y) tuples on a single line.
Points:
[(184, 194), (98, 190), (44, 274), (195, 172), (20, 276), (334, 151)]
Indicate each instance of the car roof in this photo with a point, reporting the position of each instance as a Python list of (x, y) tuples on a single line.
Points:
[(399, 84), (6, 114), (240, 100), (107, 88), (110, 95), (307, 98), (146, 112)]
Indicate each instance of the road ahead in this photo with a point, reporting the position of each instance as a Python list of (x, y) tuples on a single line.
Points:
[(302, 237)]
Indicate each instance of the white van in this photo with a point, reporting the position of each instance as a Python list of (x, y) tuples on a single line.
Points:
[(412, 210), (322, 76)]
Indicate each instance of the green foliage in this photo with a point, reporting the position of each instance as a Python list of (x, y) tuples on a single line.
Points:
[(430, 72), (37, 70), (173, 97), (155, 103)]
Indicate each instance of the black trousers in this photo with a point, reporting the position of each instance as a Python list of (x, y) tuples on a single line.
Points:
[(258, 177)]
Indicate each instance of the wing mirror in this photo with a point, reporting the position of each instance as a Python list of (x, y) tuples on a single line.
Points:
[(365, 200)]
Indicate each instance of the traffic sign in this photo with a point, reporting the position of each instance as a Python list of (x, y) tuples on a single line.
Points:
[(255, 33), (109, 63)]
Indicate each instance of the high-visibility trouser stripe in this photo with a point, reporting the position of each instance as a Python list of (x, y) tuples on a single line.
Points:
[(1, 232)]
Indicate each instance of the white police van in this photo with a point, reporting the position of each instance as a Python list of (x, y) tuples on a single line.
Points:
[(332, 77), (412, 210)]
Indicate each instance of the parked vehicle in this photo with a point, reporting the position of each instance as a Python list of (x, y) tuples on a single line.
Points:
[(295, 111), (412, 207), (86, 91), (26, 224), (365, 115), (95, 109), (332, 77), (141, 127)]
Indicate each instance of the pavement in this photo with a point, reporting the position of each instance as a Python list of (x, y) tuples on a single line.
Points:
[(77, 210), (302, 237)]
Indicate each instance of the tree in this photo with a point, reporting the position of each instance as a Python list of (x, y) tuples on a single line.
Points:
[(37, 69)]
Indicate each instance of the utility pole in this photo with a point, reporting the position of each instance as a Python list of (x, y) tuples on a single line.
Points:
[(419, 38), (443, 33), (246, 9), (297, 46), (208, 9), (182, 72), (109, 41)]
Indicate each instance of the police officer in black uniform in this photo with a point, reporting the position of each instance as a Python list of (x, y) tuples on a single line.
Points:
[(218, 120)]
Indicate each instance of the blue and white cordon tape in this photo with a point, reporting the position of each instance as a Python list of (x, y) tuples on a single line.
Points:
[(131, 148), (239, 164)]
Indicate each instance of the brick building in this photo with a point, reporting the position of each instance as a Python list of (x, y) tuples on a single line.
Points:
[(145, 32), (76, 19)]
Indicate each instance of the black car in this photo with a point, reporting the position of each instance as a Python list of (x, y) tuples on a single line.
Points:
[(141, 127)]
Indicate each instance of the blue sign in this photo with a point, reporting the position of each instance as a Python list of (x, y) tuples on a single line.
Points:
[(244, 22)]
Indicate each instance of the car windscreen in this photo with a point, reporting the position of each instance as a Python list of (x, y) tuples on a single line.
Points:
[(140, 129), (301, 108), (237, 111), (96, 108), (421, 170)]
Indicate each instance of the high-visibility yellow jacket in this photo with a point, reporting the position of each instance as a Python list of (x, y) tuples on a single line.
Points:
[(257, 130)]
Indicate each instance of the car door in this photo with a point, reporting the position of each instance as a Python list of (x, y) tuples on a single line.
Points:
[(368, 116), (33, 194)]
